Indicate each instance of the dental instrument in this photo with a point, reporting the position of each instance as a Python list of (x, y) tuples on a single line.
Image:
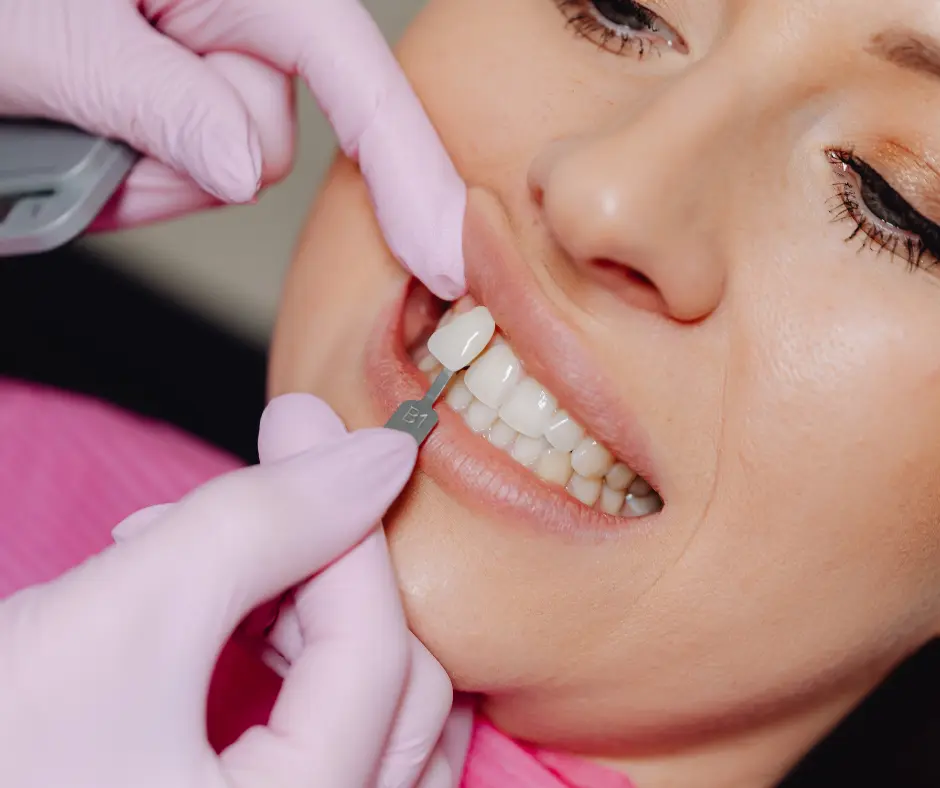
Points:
[(54, 181), (455, 346)]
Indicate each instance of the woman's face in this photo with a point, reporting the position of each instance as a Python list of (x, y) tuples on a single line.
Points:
[(716, 255)]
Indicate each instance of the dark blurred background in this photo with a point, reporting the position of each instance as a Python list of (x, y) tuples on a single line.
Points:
[(71, 321)]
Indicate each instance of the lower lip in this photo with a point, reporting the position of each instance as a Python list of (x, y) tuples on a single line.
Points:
[(475, 474)]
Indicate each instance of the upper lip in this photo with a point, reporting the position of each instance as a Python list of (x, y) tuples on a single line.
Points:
[(498, 277)]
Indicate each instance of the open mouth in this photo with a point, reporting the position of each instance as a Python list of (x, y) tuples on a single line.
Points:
[(500, 464), (519, 416), (533, 433)]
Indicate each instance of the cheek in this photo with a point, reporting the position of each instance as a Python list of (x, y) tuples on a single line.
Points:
[(832, 406), (502, 80)]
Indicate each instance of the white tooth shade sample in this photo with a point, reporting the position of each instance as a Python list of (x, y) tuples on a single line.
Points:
[(493, 375), (459, 342)]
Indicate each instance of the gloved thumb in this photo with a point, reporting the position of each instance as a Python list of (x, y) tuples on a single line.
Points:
[(248, 536)]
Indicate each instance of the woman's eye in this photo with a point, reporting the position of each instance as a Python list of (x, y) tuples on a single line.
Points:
[(621, 25), (881, 216)]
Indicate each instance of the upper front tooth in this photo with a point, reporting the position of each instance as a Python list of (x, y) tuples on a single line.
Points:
[(493, 375), (529, 408), (456, 344), (564, 432)]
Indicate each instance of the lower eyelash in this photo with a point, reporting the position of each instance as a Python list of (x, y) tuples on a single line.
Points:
[(877, 237), (585, 24)]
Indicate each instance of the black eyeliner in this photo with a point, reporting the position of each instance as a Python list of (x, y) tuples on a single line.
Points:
[(906, 229)]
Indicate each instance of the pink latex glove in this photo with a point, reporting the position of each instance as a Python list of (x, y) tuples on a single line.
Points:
[(202, 87), (104, 672)]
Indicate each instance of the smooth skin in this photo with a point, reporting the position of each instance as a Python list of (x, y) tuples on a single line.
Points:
[(789, 381)]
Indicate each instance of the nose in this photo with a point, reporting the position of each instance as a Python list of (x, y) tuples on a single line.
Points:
[(645, 195)]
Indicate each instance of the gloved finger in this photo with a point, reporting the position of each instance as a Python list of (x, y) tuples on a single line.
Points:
[(295, 423), (155, 192), (337, 48), (152, 192), (282, 645), (138, 522), (424, 710), (427, 720), (444, 768), (340, 635), (162, 99), (345, 686), (456, 738), (361, 621), (428, 694), (251, 534)]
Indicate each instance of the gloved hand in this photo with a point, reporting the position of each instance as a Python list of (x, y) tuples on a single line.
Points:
[(104, 672), (202, 87)]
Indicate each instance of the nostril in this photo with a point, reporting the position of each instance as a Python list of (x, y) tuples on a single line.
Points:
[(538, 195), (638, 278), (631, 284), (631, 274)]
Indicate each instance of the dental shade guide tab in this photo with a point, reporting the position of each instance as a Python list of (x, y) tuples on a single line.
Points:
[(455, 345), (417, 417), (458, 343)]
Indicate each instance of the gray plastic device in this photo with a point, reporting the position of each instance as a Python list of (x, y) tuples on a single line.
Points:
[(54, 180)]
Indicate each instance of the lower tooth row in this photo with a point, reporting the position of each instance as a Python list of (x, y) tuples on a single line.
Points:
[(617, 490)]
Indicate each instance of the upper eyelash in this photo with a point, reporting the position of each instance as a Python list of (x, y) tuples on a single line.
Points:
[(585, 23), (879, 234)]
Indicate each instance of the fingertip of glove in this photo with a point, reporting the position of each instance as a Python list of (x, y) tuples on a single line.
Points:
[(446, 285), (378, 459), (378, 445), (293, 423), (356, 477), (233, 164)]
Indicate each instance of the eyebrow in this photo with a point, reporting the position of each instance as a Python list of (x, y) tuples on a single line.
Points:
[(909, 50)]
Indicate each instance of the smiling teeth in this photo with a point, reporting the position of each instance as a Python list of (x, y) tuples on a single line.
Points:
[(498, 401), (492, 377)]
